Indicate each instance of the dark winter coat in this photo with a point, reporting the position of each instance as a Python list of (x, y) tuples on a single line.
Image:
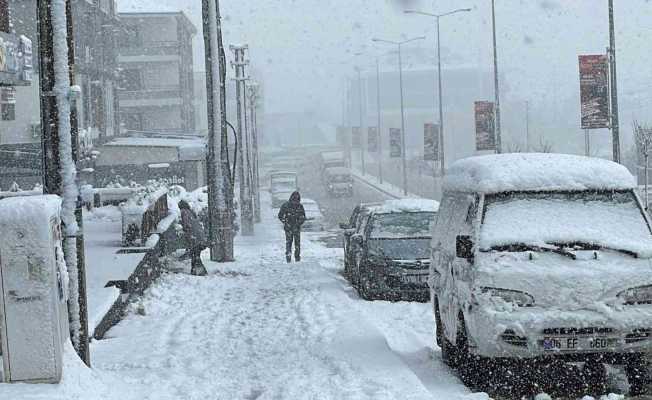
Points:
[(192, 229), (292, 213)]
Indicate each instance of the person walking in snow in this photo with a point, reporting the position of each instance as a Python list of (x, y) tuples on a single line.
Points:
[(194, 236), (292, 215)]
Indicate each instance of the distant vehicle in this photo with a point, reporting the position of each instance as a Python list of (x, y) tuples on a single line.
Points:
[(391, 254), (314, 217), (543, 257), (338, 181), (330, 159), (355, 224), (282, 184)]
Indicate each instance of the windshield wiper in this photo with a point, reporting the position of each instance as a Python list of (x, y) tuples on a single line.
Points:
[(594, 246), (525, 247)]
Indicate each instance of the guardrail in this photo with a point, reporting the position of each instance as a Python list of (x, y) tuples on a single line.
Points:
[(147, 271)]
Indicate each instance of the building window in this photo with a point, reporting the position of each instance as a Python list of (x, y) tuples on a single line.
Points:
[(132, 80), (7, 104)]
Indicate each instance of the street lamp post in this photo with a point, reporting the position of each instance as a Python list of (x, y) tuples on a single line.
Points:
[(441, 111), (362, 144), (400, 77), (496, 89), (380, 136)]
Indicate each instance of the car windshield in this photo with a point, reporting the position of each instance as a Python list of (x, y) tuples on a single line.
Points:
[(401, 225), (521, 221), (341, 178), (401, 249)]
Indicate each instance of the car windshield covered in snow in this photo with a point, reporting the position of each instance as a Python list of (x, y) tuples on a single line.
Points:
[(401, 225), (591, 220), (401, 249)]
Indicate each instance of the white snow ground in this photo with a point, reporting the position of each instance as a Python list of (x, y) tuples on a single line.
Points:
[(261, 329)]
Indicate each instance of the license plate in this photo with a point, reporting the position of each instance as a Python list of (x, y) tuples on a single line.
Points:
[(578, 343), (414, 278)]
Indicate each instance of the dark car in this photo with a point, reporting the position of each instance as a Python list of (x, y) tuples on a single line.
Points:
[(360, 212), (390, 255)]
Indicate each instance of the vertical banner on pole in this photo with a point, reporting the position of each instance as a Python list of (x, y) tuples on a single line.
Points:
[(372, 139), (395, 143), (430, 142), (594, 91), (356, 137), (485, 132)]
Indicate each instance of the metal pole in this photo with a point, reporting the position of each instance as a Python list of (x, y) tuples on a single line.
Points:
[(614, 86), (50, 138), (246, 222), (496, 89), (527, 125), (254, 133), (362, 144), (217, 165), (380, 136), (442, 164), (403, 155)]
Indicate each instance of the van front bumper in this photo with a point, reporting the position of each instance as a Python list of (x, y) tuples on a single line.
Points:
[(532, 332)]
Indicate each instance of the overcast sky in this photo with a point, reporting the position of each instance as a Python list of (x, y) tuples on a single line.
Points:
[(303, 48)]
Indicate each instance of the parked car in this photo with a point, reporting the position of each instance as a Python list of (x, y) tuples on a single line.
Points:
[(359, 214), (314, 217), (391, 253), (545, 258), (282, 184), (338, 181)]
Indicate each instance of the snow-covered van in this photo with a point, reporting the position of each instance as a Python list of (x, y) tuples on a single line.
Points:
[(282, 184), (544, 257)]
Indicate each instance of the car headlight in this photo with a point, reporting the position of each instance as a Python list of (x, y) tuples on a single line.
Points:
[(519, 298), (637, 295)]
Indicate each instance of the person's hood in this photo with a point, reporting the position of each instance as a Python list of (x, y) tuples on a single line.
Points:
[(295, 197)]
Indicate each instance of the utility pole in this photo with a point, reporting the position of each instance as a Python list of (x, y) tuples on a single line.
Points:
[(362, 142), (220, 200), (60, 151), (614, 86), (496, 86), (248, 170), (380, 135), (527, 126), (246, 217), (253, 100)]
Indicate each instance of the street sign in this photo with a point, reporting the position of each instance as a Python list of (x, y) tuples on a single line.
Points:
[(395, 143), (594, 91), (485, 132), (372, 139), (430, 142)]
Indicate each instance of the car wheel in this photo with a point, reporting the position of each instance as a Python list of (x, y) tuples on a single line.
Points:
[(448, 356), (637, 375), (470, 368), (364, 286)]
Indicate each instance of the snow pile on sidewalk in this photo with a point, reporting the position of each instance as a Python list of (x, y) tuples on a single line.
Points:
[(78, 383)]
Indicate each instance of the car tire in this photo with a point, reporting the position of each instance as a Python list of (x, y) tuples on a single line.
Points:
[(638, 377), (471, 369), (363, 286), (439, 333)]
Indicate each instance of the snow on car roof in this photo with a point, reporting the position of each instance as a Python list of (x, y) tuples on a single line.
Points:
[(536, 172), (407, 205)]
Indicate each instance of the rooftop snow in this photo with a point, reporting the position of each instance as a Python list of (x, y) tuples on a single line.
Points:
[(536, 172), (407, 205)]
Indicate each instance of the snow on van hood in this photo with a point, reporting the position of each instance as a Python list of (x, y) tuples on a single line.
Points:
[(558, 282), (536, 171)]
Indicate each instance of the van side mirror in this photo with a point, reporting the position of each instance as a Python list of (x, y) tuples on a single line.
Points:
[(464, 246)]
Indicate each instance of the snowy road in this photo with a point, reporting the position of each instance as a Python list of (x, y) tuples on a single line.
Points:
[(260, 328)]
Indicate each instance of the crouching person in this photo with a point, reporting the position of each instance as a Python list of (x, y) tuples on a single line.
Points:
[(194, 237)]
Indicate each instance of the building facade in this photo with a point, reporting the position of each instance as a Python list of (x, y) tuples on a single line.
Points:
[(156, 63)]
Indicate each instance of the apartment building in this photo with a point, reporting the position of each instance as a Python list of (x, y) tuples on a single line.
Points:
[(156, 63)]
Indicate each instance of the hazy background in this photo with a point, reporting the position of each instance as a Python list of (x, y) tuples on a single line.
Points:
[(303, 49)]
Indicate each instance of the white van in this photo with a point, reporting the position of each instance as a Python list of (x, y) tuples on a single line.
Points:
[(544, 257)]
